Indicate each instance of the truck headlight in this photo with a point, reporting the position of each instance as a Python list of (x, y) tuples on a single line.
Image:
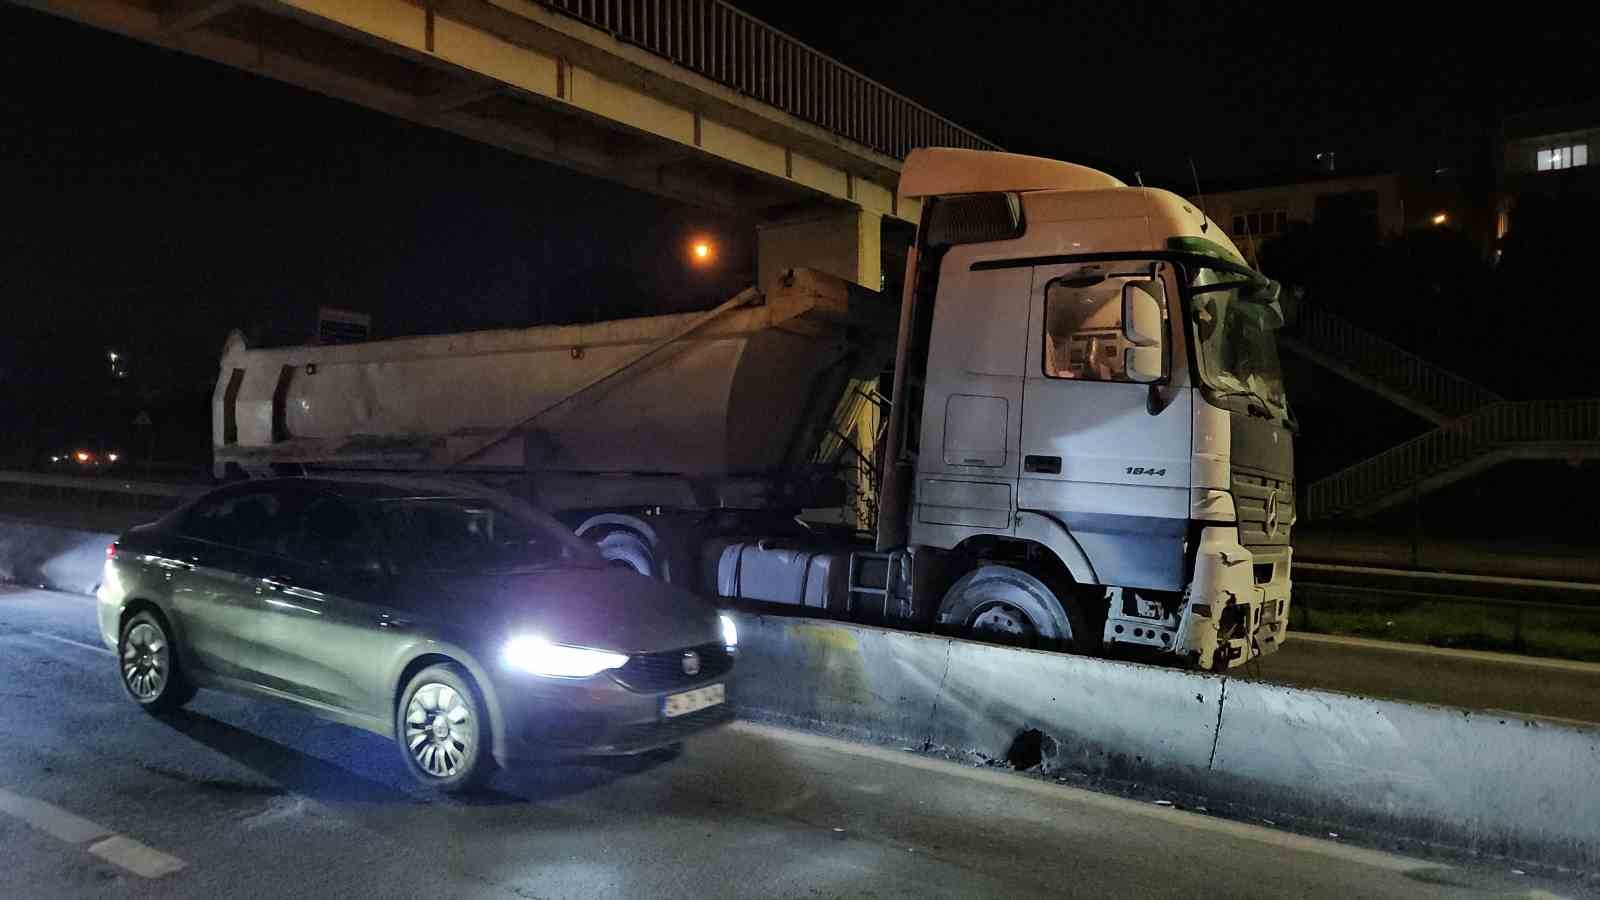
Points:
[(730, 632), (531, 653)]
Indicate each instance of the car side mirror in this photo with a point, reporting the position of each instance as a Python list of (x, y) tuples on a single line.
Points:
[(1144, 360)]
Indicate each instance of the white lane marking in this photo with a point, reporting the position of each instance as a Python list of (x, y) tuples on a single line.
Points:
[(136, 857), (114, 848), (61, 640), (1283, 839), (52, 820)]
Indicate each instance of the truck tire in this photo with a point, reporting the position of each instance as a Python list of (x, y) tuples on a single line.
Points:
[(629, 549), (1012, 606)]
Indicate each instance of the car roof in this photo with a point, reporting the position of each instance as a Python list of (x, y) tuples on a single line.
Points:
[(381, 487)]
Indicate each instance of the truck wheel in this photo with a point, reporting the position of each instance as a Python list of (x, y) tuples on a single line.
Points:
[(1011, 606), (630, 550)]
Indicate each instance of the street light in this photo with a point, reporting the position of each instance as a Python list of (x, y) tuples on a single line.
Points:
[(1440, 218), (701, 252)]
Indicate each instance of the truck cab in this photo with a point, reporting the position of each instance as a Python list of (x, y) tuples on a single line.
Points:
[(1096, 441)]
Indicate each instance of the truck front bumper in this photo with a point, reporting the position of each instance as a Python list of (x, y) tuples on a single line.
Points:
[(1238, 601)]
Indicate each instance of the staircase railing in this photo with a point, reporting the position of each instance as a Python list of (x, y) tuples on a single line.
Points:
[(1455, 444), (1389, 364)]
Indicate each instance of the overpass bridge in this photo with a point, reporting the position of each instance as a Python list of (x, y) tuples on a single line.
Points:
[(687, 99)]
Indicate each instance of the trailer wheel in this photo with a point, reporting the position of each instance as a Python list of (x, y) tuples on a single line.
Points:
[(1010, 606), (630, 550)]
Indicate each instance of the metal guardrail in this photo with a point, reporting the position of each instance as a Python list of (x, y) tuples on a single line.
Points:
[(1389, 364), (102, 484), (1495, 426), (737, 50)]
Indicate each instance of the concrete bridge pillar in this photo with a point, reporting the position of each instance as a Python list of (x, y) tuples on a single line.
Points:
[(845, 242)]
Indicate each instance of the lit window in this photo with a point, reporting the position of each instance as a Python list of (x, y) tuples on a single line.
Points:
[(1260, 224), (1562, 157)]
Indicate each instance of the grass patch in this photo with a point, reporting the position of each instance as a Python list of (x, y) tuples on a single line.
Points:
[(1561, 633)]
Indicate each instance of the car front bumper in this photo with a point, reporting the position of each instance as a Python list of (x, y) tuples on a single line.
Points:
[(545, 719)]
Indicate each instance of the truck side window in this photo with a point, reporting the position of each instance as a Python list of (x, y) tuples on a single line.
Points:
[(1083, 330)]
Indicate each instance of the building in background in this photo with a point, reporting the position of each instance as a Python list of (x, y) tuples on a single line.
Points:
[(1361, 208), (1547, 175)]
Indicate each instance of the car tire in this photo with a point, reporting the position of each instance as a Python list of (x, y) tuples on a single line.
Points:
[(454, 757), (148, 664)]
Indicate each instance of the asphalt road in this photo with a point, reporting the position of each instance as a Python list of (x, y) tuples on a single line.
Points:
[(235, 798)]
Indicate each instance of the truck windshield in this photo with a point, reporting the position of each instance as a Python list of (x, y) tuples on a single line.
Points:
[(1236, 340)]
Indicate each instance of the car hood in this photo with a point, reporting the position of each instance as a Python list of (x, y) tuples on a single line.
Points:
[(605, 608)]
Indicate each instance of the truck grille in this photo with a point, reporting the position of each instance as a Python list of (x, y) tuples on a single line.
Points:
[(664, 671), (1266, 508)]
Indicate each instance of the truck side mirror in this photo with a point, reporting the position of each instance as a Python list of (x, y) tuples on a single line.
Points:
[(1142, 328)]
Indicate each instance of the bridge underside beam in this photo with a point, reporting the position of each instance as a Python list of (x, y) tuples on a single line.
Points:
[(519, 76)]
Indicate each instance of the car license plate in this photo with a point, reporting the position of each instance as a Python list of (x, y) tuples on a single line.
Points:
[(693, 701)]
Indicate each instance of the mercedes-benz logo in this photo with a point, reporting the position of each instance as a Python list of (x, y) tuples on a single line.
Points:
[(691, 662), (1272, 514)]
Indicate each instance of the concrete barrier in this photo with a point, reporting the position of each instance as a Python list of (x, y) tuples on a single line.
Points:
[(1522, 788)]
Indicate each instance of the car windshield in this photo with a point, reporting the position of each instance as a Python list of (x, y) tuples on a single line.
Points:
[(470, 534), (1236, 338)]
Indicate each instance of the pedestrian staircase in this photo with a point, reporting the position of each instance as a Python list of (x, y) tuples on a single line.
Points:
[(1386, 369), (1476, 428)]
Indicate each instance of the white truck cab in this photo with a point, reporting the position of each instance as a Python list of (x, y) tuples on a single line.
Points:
[(1098, 377)]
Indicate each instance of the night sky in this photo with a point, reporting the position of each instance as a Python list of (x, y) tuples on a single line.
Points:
[(158, 200)]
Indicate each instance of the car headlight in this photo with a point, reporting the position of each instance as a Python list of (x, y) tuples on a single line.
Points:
[(537, 655), (730, 632)]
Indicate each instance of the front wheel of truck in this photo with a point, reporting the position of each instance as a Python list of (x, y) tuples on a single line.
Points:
[(1008, 605)]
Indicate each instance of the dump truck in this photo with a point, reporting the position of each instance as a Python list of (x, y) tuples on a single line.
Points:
[(1070, 432)]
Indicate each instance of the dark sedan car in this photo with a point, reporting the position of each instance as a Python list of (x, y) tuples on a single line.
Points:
[(467, 625)]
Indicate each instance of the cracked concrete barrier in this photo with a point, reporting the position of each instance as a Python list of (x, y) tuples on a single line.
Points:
[(63, 559), (1522, 788), (938, 693), (1497, 784)]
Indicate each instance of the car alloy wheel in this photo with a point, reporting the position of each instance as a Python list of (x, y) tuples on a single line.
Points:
[(439, 730), (146, 661)]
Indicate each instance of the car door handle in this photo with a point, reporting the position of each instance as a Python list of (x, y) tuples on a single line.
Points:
[(277, 582), (386, 621), (177, 565)]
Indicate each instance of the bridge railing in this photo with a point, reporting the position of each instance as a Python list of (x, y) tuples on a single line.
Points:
[(740, 51), (1450, 445)]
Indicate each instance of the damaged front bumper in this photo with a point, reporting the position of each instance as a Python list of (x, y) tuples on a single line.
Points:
[(1237, 604)]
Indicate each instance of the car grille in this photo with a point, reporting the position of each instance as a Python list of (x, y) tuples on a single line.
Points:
[(664, 671)]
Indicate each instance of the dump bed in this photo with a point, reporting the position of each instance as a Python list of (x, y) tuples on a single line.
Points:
[(745, 390)]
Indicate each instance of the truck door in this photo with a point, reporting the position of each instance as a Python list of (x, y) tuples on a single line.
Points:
[(1103, 455), (967, 457)]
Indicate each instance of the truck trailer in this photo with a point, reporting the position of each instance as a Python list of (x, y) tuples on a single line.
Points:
[(1072, 432)]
